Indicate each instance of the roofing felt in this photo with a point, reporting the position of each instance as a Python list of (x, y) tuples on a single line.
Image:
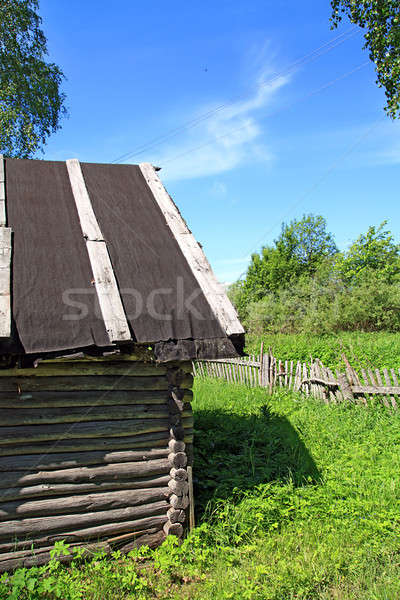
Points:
[(54, 301)]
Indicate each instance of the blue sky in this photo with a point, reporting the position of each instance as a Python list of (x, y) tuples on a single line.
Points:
[(246, 140)]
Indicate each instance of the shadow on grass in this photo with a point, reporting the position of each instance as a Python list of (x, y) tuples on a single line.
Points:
[(240, 452)]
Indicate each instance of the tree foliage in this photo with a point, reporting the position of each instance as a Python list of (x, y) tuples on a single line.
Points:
[(31, 103), (372, 251), (302, 284), (299, 250), (381, 20)]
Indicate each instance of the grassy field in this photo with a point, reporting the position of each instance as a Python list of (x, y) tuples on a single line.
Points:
[(379, 349), (295, 500)]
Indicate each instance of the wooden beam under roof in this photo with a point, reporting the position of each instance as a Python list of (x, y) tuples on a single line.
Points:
[(192, 251), (5, 259), (3, 218), (105, 282)]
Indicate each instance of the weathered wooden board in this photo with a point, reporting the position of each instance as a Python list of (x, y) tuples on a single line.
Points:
[(95, 429), (375, 389), (39, 556), (66, 489), (22, 509), (105, 282), (72, 369), (64, 524), (99, 473), (67, 399), (68, 460), (90, 533), (156, 439), (83, 383), (192, 251), (79, 414)]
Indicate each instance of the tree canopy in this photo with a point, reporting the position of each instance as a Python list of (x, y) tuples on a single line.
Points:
[(31, 102), (374, 250), (299, 250), (302, 283), (381, 20)]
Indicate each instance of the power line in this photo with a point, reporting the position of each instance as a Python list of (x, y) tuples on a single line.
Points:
[(311, 56), (320, 180), (288, 106)]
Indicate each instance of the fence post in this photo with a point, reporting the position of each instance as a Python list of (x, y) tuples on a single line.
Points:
[(261, 371), (345, 387)]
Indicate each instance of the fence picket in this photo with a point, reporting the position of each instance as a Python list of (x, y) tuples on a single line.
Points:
[(389, 383), (379, 380), (395, 381), (313, 379)]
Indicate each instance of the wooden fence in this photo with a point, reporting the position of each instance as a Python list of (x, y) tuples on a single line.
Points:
[(311, 378)]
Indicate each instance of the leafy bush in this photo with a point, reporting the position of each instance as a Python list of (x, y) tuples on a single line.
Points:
[(303, 285)]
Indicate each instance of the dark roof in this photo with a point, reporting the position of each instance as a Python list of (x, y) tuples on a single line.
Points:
[(55, 305)]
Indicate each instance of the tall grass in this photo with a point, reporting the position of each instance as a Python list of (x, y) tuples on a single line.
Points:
[(379, 349), (295, 500)]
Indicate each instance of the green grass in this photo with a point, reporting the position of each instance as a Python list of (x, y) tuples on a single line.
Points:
[(295, 500), (379, 349)]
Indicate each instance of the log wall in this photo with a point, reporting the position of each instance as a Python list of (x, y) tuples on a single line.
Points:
[(93, 452)]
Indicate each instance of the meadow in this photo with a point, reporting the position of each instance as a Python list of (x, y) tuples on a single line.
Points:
[(380, 349), (295, 500)]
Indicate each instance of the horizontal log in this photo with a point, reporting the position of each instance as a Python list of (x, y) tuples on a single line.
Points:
[(155, 439), (104, 383), (64, 489), (96, 429), (76, 368), (22, 509), (28, 528), (95, 383), (152, 540), (5, 556), (55, 399), (138, 354), (374, 389), (98, 532), (68, 460), (101, 473), (43, 556), (81, 414)]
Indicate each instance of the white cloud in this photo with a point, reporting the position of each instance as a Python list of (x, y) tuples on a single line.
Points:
[(230, 137)]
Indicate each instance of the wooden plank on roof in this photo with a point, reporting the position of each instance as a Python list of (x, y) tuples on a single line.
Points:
[(90, 227), (105, 282), (5, 282), (192, 251), (3, 217)]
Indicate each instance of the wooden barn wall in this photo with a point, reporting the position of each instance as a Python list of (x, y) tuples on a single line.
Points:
[(92, 452)]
